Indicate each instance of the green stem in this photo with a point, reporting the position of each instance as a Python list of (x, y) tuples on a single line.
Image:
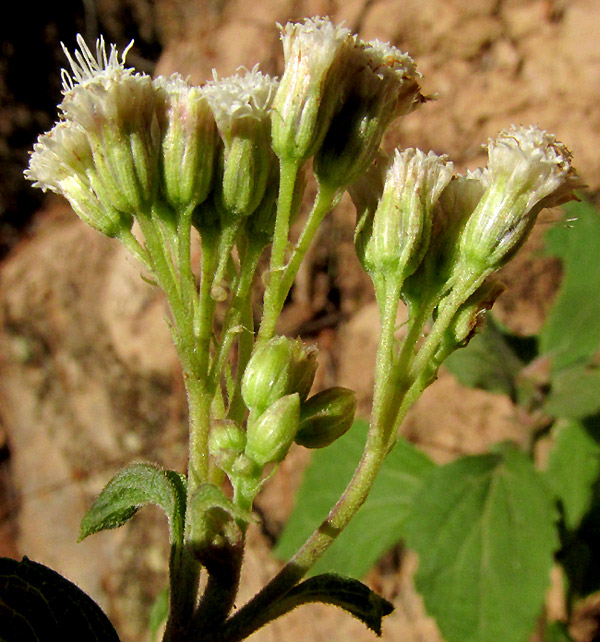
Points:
[(272, 299), (321, 207), (243, 623)]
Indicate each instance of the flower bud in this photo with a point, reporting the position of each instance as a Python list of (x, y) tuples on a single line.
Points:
[(189, 141), (267, 375), (398, 236), (118, 111), (325, 417), (269, 437), (225, 443), (380, 85), (315, 54), (528, 171), (241, 106), (280, 367)]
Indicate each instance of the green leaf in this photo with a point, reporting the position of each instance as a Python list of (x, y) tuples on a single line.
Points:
[(359, 546), (489, 361), (571, 333), (483, 527), (349, 594), (575, 392), (574, 468), (37, 604), (557, 632), (158, 613), (130, 489)]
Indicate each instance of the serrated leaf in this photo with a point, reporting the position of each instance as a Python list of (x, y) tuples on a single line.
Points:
[(484, 529), (37, 604), (347, 593), (130, 489), (575, 392), (488, 362), (574, 468), (359, 546), (571, 332)]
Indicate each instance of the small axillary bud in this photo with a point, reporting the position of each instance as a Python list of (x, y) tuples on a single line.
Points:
[(325, 417), (315, 54), (270, 437), (528, 170), (241, 106), (189, 142), (226, 443)]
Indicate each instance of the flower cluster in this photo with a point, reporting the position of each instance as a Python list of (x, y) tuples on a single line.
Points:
[(230, 158)]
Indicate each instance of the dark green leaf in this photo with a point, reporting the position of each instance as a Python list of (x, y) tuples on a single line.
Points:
[(359, 545), (131, 488), (575, 392), (38, 605), (574, 468), (489, 361), (484, 529), (571, 333), (349, 594)]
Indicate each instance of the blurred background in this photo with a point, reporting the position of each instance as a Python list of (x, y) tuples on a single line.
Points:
[(88, 378)]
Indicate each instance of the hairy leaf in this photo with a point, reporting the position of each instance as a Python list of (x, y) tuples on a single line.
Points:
[(131, 488), (37, 604), (359, 545), (483, 527)]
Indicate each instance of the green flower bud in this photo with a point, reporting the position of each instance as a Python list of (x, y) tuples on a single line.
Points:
[(267, 375), (316, 55), (280, 367), (225, 443), (381, 85), (118, 111), (325, 417), (62, 162), (398, 235), (528, 171), (189, 142), (242, 106), (269, 438)]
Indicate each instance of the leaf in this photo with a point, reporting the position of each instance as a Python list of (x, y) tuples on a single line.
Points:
[(575, 392), (359, 546), (37, 604), (158, 614), (131, 488), (571, 332), (483, 527), (574, 468), (557, 632), (489, 361), (349, 594)]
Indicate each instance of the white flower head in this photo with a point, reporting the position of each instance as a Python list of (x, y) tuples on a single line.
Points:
[(316, 54), (528, 170), (246, 95), (188, 142), (531, 161), (402, 223), (86, 68)]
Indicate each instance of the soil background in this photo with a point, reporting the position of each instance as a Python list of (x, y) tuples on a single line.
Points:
[(88, 378)]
